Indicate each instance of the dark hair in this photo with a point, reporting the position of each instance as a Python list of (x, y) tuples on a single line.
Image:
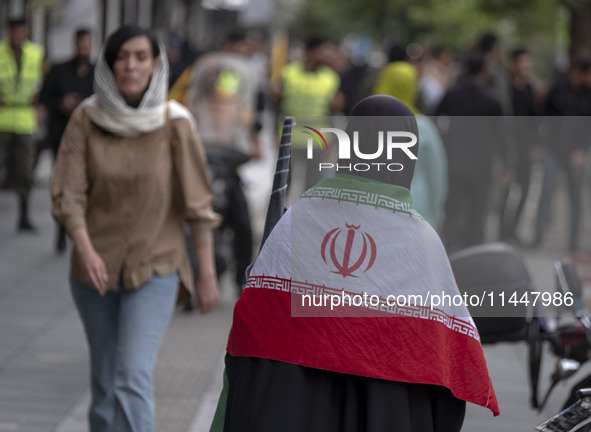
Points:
[(122, 35), (397, 53), (314, 42), (518, 52), (474, 64), (81, 32), (487, 42), (17, 22), (583, 65), (438, 51), (236, 35)]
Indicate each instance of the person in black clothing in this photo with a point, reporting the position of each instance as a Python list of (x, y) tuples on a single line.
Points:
[(566, 147), (497, 80), (65, 86), (471, 147), (527, 99)]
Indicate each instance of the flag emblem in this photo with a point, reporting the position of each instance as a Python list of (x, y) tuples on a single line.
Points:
[(348, 259)]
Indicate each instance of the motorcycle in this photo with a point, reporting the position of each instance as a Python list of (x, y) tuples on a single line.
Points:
[(517, 312)]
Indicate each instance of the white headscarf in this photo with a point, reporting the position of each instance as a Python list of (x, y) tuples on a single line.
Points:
[(107, 107)]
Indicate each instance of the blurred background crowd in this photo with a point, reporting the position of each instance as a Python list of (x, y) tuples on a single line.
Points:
[(518, 65)]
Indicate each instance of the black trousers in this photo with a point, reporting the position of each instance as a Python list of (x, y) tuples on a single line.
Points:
[(466, 210), (237, 219), (269, 396)]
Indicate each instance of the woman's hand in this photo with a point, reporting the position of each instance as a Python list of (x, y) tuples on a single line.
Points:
[(93, 265), (207, 293), (94, 270), (207, 285)]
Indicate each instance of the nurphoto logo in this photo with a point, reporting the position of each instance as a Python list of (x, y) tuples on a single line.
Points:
[(388, 142)]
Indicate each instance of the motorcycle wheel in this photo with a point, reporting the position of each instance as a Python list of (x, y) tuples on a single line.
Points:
[(535, 341)]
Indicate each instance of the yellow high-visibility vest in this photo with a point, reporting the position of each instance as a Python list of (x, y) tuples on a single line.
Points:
[(19, 86), (308, 93)]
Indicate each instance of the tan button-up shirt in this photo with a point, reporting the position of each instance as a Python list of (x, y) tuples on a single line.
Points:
[(132, 194)]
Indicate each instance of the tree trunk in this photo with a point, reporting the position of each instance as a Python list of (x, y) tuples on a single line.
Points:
[(580, 34)]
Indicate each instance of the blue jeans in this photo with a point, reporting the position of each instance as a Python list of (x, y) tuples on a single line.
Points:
[(124, 330)]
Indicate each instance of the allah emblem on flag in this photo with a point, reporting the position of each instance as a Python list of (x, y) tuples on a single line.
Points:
[(347, 259)]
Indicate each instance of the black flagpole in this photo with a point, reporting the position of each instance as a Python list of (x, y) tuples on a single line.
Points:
[(279, 192)]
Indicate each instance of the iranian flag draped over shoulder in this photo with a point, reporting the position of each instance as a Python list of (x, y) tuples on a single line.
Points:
[(351, 280)]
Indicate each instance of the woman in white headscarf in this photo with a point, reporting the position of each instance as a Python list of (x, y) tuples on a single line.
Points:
[(130, 168)]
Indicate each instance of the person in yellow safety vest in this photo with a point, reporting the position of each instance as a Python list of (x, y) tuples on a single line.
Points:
[(309, 91), (21, 71), (309, 87)]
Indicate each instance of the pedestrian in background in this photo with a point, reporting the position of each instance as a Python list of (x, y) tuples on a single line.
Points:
[(21, 72), (429, 183), (436, 78), (565, 148), (225, 97), (308, 89), (65, 86), (129, 169), (527, 103), (489, 46), (472, 140)]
